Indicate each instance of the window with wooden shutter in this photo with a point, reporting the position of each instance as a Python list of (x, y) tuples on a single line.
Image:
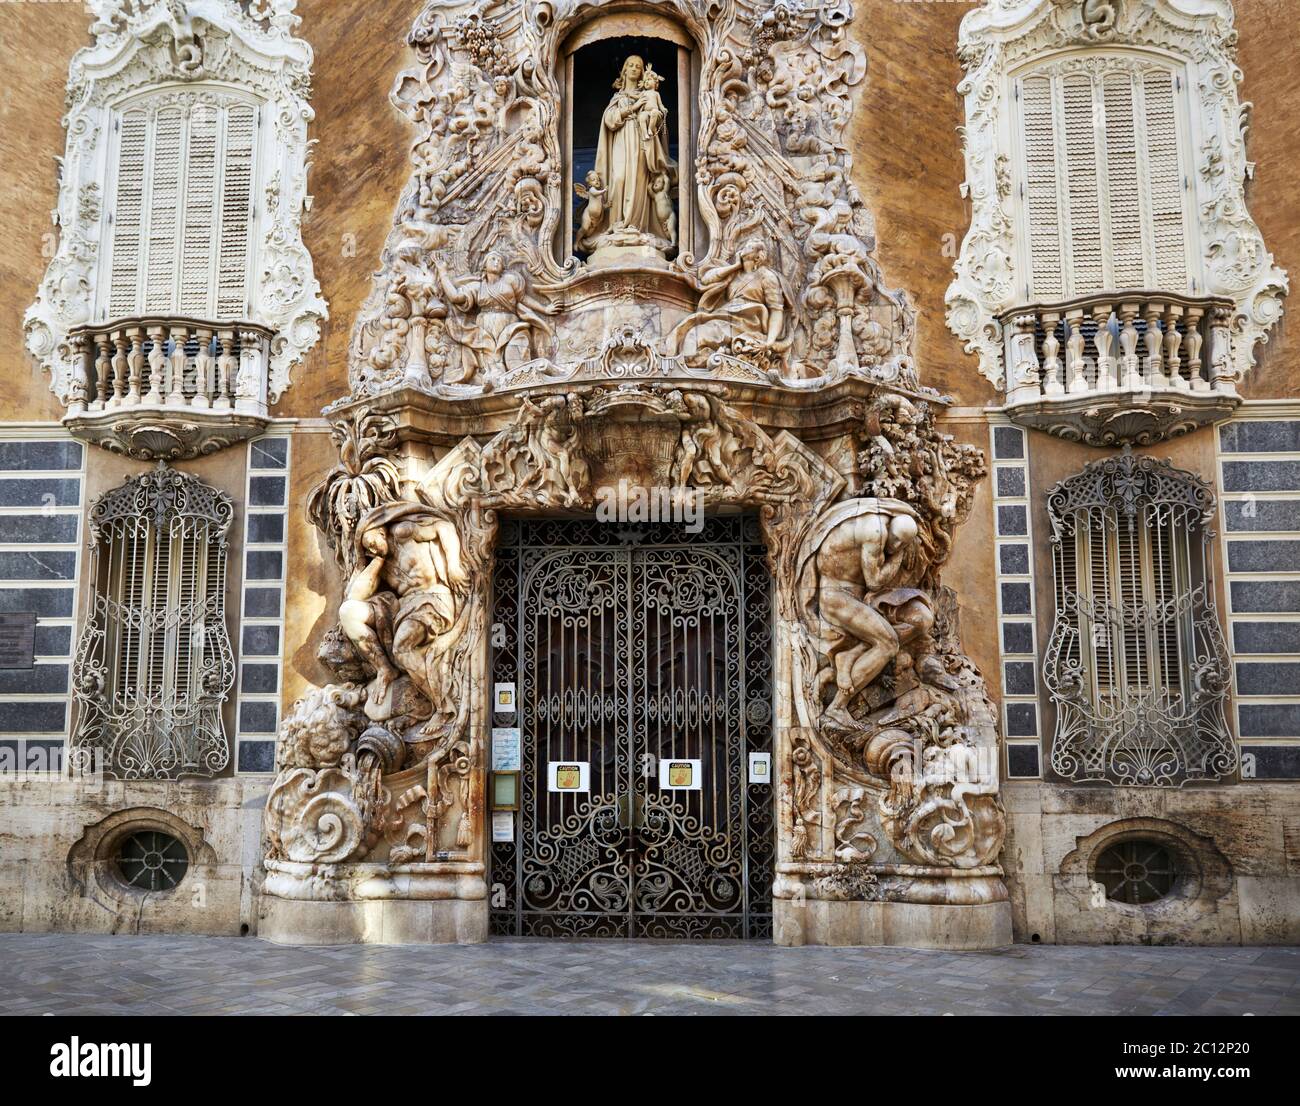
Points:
[(184, 173), (1104, 186), (155, 663), (1136, 663)]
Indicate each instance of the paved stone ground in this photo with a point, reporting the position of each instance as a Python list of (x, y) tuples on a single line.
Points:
[(74, 974)]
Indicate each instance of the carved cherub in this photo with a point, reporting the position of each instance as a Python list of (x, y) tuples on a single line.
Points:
[(663, 202), (594, 193), (651, 111)]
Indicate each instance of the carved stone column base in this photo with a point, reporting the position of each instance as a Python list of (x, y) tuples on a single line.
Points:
[(373, 922), (914, 925)]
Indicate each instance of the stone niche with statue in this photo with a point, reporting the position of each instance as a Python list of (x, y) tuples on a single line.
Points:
[(631, 249)]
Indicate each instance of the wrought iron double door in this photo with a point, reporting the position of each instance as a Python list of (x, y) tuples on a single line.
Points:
[(641, 658)]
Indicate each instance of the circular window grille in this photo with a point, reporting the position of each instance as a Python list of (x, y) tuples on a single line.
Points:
[(149, 860), (1136, 872)]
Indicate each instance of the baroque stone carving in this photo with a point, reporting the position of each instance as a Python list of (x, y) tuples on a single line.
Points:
[(193, 53), (1002, 36)]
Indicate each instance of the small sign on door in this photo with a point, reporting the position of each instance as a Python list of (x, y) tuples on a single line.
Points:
[(760, 767), (568, 775), (503, 698), (679, 775)]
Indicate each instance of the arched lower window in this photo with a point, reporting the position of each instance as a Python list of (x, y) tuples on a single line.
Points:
[(1136, 663), (154, 664)]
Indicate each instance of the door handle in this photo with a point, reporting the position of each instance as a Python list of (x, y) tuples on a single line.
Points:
[(631, 810)]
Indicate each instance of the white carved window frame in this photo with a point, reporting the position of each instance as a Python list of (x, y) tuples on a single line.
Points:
[(998, 43), (244, 50)]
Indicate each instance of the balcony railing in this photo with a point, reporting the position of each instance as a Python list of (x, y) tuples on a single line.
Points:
[(1143, 364), (167, 386)]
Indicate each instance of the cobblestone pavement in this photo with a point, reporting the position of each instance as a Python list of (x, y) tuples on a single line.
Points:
[(74, 974)]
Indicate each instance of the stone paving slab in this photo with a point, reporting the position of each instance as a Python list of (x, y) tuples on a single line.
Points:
[(95, 974)]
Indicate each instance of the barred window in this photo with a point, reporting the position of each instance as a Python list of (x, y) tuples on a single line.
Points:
[(182, 184), (154, 663), (1136, 663), (1104, 176)]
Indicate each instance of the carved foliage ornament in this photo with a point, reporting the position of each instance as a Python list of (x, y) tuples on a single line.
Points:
[(765, 275), (193, 52), (999, 39)]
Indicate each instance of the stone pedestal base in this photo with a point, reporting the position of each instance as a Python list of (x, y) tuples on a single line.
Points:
[(373, 922), (909, 924)]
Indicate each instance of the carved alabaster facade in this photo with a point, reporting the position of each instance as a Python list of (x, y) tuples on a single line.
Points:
[(751, 358)]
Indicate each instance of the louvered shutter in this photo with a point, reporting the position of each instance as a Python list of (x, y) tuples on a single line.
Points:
[(183, 233), (1105, 629), (1130, 596), (1102, 172)]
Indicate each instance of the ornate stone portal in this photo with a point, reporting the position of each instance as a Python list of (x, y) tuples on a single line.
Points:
[(725, 336)]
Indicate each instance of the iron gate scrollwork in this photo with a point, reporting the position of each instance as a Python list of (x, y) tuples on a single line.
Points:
[(629, 645)]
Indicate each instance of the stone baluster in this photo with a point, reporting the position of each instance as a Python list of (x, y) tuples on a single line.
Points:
[(1173, 343), (1195, 373), (103, 370), (157, 365), (1105, 342), (1155, 376), (120, 370), (1074, 350), (203, 366), (226, 363), (1131, 376), (81, 373), (176, 397), (1025, 376), (250, 381), (1223, 378), (135, 364), (1051, 362)]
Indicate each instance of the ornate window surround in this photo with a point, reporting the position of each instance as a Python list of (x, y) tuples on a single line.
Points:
[(999, 39), (1166, 728), (219, 45)]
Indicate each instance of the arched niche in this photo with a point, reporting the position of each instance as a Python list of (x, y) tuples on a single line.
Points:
[(591, 58)]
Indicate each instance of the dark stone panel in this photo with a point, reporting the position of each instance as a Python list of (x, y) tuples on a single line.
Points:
[(39, 456), (29, 717), (1013, 560), (262, 603), (1015, 599), (266, 491), (1261, 476), (1265, 596), (41, 679), (53, 641), (1022, 720), (259, 679), (1022, 761), (52, 492), (1272, 762), (1264, 556), (1268, 678), (1011, 482), (1008, 443), (265, 529), (32, 755), (37, 564), (1013, 522), (1269, 719), (258, 717), (261, 641), (263, 564), (46, 602), (257, 756), (1017, 637), (1020, 677), (1274, 515), (1266, 637), (40, 529), (269, 453), (1261, 436)]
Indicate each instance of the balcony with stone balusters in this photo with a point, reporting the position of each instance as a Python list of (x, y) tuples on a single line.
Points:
[(1123, 367), (162, 387)]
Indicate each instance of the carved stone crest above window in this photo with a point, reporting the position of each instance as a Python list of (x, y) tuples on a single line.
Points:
[(181, 295), (673, 177), (1112, 281)]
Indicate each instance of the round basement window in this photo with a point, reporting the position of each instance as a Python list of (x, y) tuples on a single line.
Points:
[(1136, 872), (149, 860)]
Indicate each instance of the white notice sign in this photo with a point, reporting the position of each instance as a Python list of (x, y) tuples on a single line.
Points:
[(760, 767), (503, 698), (568, 775), (679, 775), (505, 749), (503, 826)]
